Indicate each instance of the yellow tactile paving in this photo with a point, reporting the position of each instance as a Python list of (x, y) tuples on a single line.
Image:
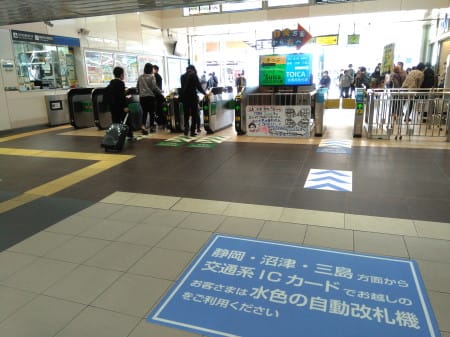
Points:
[(17, 201), (32, 133), (103, 163)]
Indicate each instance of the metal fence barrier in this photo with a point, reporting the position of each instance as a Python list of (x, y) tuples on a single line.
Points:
[(395, 113)]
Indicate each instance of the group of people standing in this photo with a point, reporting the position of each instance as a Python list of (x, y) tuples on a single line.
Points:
[(149, 87), (422, 76)]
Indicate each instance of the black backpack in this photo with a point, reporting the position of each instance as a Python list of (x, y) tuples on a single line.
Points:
[(108, 96)]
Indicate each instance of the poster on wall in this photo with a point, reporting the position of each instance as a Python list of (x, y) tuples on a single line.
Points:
[(278, 121), (388, 58), (130, 65), (280, 70), (99, 67)]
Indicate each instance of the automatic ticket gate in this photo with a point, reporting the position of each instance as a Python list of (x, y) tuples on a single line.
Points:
[(175, 114), (218, 109), (80, 107), (102, 113)]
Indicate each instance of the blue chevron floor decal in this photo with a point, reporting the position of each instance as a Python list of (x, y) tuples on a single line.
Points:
[(339, 146), (331, 180)]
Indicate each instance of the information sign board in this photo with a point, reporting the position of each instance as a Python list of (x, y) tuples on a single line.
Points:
[(244, 287)]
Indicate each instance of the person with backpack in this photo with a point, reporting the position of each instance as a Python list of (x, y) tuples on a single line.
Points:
[(148, 93), (115, 96)]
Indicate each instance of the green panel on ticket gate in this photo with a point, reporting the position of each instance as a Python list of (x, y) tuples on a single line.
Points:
[(86, 106), (238, 116), (359, 112)]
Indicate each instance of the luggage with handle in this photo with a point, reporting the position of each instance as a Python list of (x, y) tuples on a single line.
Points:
[(114, 138), (135, 115)]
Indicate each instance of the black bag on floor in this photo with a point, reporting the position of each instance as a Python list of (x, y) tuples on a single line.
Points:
[(114, 138)]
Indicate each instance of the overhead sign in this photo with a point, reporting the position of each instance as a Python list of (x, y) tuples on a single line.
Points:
[(327, 40), (18, 35), (353, 39), (290, 37), (245, 287)]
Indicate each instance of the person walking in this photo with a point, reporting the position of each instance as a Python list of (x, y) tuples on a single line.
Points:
[(118, 101), (190, 84), (345, 83), (148, 93), (240, 83), (161, 118)]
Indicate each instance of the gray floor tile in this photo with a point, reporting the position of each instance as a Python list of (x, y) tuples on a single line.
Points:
[(162, 263), (185, 239), (441, 307), (108, 229), (77, 250), (132, 214), (428, 249), (12, 299), (202, 222), (436, 275), (11, 262), (95, 322), (118, 256), (42, 317), (73, 225), (380, 244), (83, 285), (166, 218), (145, 234), (282, 231), (39, 275), (100, 210), (241, 226), (133, 294), (146, 329), (329, 237), (40, 243)]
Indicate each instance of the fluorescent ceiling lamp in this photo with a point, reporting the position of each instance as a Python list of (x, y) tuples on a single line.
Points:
[(280, 3), (241, 6)]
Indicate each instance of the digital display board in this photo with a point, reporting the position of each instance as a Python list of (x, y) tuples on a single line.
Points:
[(282, 70)]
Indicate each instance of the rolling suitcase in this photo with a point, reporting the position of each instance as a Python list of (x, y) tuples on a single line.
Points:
[(114, 138)]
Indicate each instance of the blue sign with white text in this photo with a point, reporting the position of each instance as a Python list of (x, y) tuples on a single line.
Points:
[(298, 69), (245, 287)]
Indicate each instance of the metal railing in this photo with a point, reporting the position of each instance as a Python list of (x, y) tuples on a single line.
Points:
[(407, 112)]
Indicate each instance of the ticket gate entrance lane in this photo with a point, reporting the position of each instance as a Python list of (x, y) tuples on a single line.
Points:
[(102, 112), (80, 107), (218, 110), (175, 113)]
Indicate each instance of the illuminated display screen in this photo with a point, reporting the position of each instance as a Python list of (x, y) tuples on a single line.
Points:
[(280, 70)]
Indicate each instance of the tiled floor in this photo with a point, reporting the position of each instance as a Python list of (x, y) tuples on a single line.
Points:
[(90, 242)]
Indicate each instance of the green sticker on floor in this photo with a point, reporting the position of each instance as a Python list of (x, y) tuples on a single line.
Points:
[(176, 141), (207, 142), (203, 142)]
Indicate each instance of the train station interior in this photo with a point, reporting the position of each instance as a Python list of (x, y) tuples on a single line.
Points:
[(92, 242)]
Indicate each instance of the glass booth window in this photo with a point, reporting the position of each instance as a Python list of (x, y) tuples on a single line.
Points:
[(44, 66)]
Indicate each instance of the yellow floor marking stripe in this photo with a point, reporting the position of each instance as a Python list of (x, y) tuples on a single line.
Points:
[(104, 162), (17, 201), (32, 133)]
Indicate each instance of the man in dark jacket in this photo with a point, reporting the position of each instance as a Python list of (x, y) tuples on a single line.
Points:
[(119, 106), (189, 86)]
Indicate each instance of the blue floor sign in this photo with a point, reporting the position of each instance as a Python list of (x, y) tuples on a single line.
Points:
[(251, 288)]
